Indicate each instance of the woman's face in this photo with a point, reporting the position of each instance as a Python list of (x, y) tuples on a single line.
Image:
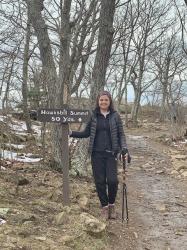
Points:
[(104, 102)]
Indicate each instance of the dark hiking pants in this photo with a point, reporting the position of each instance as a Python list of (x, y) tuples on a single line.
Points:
[(104, 166)]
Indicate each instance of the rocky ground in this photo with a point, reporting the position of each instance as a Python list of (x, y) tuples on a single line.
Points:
[(32, 216)]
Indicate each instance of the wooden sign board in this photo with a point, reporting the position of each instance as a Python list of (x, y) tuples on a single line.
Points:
[(63, 115)]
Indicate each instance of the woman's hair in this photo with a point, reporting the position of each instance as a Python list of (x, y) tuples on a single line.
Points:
[(111, 107)]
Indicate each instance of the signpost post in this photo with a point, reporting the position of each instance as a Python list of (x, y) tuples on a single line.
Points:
[(64, 116)]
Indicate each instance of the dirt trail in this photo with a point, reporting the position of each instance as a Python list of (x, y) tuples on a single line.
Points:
[(157, 201)]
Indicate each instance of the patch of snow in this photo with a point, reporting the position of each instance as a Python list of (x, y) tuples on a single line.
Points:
[(21, 133), (37, 129), (135, 137), (5, 154), (20, 126), (2, 221), (27, 159), (18, 146), (2, 118), (184, 142), (14, 156)]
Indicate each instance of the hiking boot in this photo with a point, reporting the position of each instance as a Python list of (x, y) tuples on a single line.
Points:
[(104, 213), (111, 211)]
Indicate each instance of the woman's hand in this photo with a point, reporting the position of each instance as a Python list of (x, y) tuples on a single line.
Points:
[(125, 155)]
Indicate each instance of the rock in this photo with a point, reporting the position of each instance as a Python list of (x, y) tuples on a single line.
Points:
[(65, 239), (146, 165), (179, 233), (40, 238), (184, 174), (4, 211), (161, 207), (136, 235), (56, 195), (174, 172), (61, 218), (160, 172), (67, 209), (83, 202), (75, 209), (92, 224), (179, 157)]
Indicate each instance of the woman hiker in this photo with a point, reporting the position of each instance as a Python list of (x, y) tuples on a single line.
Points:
[(107, 140)]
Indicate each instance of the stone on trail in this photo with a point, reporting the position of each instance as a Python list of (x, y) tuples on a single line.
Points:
[(161, 207), (40, 238), (179, 157), (174, 172), (83, 202), (160, 172), (66, 239), (184, 174), (179, 233), (146, 165), (61, 218), (136, 235), (4, 211), (92, 225)]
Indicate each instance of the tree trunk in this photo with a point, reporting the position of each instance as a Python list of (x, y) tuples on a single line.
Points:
[(105, 39), (6, 95), (136, 106), (163, 103), (63, 86), (49, 70), (25, 77)]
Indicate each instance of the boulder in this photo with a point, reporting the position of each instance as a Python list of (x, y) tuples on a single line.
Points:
[(92, 225)]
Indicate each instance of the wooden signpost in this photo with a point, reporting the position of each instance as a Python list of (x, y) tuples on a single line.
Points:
[(64, 116)]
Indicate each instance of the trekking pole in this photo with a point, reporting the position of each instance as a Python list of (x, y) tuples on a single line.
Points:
[(124, 192)]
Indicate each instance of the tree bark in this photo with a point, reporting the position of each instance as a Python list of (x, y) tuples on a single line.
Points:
[(49, 70), (25, 77), (105, 39)]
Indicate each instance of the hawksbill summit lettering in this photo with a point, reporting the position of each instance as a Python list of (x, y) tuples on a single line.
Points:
[(79, 113), (53, 112)]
